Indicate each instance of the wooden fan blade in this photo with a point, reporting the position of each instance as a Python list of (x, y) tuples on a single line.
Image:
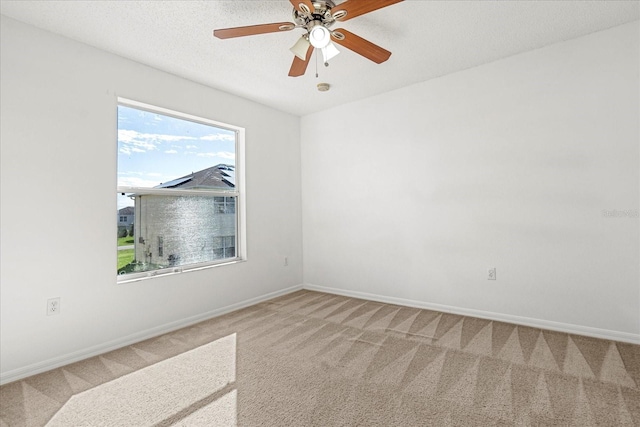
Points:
[(227, 33), (361, 46), (299, 66), (308, 3), (360, 7)]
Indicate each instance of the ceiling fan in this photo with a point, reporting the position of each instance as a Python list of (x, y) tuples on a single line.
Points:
[(316, 17)]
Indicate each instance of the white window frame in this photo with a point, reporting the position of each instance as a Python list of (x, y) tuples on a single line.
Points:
[(238, 193)]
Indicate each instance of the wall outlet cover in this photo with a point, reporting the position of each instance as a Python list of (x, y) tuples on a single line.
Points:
[(53, 306)]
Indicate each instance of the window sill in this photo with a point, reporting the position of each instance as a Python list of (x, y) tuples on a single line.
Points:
[(137, 277)]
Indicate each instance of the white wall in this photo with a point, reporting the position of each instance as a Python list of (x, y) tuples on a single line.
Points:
[(411, 195), (58, 137), (408, 196)]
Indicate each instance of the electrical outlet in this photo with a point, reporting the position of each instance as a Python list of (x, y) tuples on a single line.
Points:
[(491, 273), (53, 306)]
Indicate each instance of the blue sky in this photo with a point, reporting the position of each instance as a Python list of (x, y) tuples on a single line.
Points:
[(154, 148)]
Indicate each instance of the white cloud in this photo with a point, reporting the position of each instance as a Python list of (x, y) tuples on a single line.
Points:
[(132, 181), (144, 142), (135, 139), (218, 137), (191, 147), (171, 152), (221, 154)]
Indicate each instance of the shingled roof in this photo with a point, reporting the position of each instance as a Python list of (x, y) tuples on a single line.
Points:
[(222, 177), (129, 210)]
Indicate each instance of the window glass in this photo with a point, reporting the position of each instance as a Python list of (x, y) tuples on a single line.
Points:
[(177, 186)]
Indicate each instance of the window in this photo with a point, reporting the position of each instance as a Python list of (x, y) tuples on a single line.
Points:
[(160, 246), (224, 247), (178, 175), (225, 204)]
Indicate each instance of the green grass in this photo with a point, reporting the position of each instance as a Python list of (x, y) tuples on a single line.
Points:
[(125, 241), (125, 257)]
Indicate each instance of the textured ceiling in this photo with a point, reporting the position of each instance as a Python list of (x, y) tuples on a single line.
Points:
[(428, 39)]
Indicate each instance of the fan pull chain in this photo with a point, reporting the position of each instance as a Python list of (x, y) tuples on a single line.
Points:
[(316, 52)]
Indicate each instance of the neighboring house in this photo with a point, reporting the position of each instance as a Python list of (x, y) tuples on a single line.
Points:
[(164, 224), (126, 216), (219, 177)]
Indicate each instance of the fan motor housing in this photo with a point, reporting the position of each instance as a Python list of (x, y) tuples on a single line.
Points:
[(321, 14)]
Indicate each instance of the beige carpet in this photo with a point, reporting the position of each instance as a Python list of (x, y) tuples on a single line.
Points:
[(314, 359)]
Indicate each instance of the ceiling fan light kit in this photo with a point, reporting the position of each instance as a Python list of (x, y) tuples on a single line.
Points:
[(319, 36), (316, 18), (300, 48), (328, 52)]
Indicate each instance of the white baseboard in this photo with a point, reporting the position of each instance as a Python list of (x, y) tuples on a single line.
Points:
[(524, 321), (56, 362)]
